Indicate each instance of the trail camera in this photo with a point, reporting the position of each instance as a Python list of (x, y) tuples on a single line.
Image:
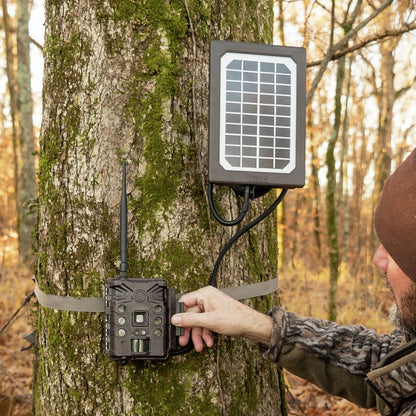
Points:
[(257, 114), (138, 310), (138, 313)]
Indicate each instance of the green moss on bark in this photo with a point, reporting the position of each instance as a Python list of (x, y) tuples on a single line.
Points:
[(164, 155), (158, 386)]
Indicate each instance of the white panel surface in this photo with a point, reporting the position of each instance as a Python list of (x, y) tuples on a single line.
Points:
[(257, 113)]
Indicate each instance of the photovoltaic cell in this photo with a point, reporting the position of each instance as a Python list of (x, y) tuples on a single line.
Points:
[(258, 113)]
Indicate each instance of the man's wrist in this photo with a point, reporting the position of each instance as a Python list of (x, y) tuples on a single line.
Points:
[(260, 328)]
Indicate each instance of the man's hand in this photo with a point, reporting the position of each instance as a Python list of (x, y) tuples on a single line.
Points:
[(209, 310)]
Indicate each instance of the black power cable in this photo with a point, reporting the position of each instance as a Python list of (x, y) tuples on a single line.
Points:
[(188, 347), (244, 208), (234, 238), (238, 234)]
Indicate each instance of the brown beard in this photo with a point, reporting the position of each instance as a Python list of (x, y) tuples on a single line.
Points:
[(405, 317)]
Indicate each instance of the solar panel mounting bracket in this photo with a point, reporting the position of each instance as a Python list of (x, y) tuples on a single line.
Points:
[(257, 114)]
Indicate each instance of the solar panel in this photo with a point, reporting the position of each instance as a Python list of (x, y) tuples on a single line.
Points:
[(257, 114)]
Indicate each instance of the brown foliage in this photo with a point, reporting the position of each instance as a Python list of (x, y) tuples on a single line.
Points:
[(15, 365)]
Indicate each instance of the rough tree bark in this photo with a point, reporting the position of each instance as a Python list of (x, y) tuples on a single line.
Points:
[(128, 80)]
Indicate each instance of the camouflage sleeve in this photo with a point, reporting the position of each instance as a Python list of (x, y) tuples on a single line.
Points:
[(394, 381), (409, 409), (336, 358)]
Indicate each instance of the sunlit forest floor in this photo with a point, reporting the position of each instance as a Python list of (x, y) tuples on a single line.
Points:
[(15, 365), (301, 291)]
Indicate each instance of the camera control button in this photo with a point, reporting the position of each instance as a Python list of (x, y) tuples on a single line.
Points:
[(140, 296)]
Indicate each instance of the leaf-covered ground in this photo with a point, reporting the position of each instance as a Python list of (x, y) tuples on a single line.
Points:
[(15, 365)]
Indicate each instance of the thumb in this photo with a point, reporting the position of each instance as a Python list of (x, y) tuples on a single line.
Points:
[(176, 319), (188, 320)]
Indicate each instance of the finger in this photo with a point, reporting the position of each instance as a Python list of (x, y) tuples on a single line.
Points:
[(207, 337), (190, 300), (184, 339), (199, 296), (193, 309), (197, 339)]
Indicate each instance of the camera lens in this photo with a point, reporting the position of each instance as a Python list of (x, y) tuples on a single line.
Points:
[(140, 318)]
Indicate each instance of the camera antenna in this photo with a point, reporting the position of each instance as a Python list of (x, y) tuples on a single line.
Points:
[(123, 226)]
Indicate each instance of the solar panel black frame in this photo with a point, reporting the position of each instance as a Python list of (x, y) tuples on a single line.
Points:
[(291, 174)]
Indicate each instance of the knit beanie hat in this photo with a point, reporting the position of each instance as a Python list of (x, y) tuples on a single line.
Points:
[(395, 216)]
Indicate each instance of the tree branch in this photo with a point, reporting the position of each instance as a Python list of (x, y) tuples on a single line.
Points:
[(404, 89), (36, 43), (344, 41), (370, 39)]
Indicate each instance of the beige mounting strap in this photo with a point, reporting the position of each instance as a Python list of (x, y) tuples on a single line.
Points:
[(252, 290), (69, 303), (81, 304)]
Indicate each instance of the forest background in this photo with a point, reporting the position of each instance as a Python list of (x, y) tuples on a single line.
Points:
[(360, 124)]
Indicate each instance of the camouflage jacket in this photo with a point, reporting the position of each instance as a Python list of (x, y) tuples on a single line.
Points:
[(353, 362)]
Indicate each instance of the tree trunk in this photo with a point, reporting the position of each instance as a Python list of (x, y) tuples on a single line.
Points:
[(12, 88), (331, 211), (343, 203), (27, 177), (382, 147), (129, 81), (281, 22), (331, 208), (315, 186)]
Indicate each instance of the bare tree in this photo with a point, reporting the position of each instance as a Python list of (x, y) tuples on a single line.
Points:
[(27, 193), (18, 75)]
